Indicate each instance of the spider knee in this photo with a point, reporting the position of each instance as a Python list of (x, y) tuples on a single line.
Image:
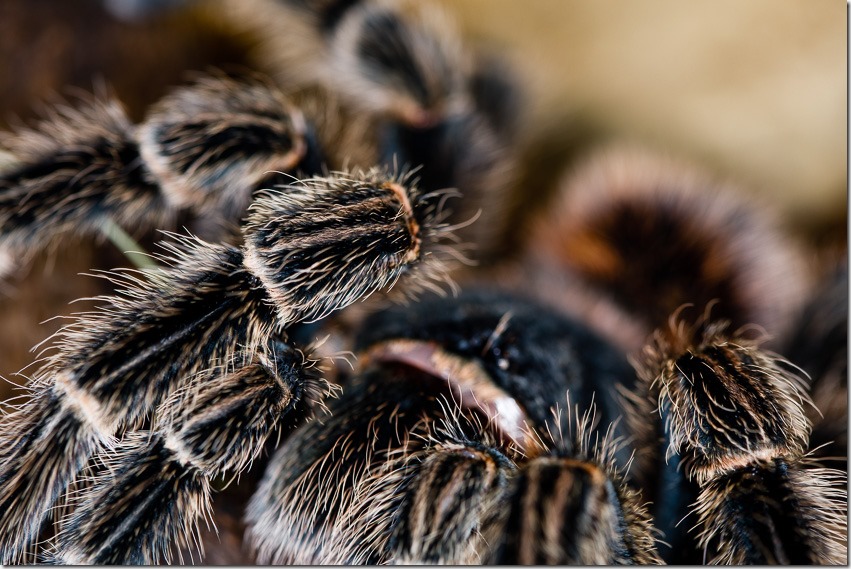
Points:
[(734, 413)]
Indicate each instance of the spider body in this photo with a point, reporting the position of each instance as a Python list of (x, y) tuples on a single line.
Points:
[(564, 407)]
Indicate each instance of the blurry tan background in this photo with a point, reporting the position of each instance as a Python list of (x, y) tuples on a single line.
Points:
[(756, 88), (751, 89)]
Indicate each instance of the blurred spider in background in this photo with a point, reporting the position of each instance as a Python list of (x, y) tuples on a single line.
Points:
[(647, 373)]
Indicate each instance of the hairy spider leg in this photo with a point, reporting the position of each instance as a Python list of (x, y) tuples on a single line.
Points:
[(206, 147), (735, 414), (310, 249), (434, 103), (157, 488)]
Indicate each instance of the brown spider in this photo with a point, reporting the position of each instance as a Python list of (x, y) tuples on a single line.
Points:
[(606, 396)]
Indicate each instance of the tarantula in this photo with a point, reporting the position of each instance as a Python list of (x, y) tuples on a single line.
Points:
[(608, 396)]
